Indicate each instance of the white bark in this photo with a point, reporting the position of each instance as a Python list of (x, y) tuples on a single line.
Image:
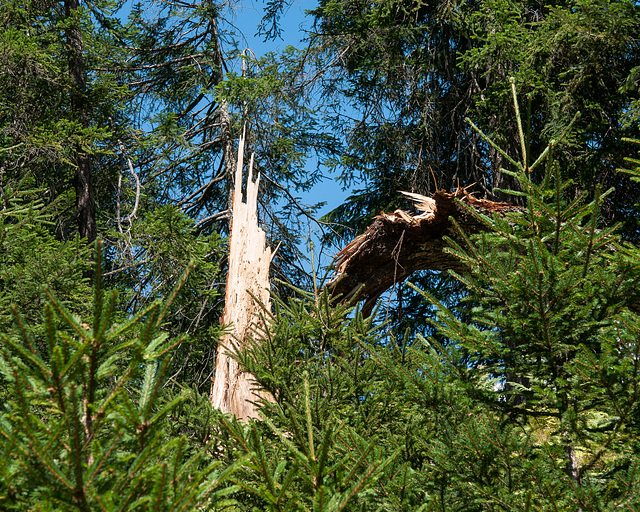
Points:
[(232, 389)]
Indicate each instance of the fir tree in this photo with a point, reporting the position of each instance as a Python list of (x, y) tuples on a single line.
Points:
[(83, 426), (553, 342)]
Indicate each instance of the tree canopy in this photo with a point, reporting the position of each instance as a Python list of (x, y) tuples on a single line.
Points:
[(507, 378)]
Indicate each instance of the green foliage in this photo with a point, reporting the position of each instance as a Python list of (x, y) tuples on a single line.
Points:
[(31, 258), (83, 428), (149, 257), (41, 131), (357, 423), (404, 76), (553, 344), (523, 397), (531, 404), (410, 72), (321, 444)]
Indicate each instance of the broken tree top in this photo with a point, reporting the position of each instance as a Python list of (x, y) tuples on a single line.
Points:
[(398, 244)]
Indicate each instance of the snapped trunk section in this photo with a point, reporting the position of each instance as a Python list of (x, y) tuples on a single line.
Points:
[(247, 293)]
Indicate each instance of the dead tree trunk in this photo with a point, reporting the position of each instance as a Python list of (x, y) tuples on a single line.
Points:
[(246, 293), (397, 244)]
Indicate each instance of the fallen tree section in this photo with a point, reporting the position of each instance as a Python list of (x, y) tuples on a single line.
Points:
[(398, 244), (247, 292)]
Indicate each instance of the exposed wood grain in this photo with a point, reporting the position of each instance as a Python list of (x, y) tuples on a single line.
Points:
[(247, 288), (398, 244)]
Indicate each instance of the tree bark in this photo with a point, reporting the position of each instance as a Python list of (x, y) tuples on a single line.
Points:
[(398, 244), (83, 182), (247, 293)]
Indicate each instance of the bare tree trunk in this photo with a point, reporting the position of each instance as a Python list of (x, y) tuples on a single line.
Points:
[(85, 203), (247, 292)]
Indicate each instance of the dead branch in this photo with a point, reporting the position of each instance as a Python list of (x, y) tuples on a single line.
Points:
[(375, 260)]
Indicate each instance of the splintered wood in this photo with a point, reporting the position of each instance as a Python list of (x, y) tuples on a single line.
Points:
[(247, 288), (397, 244)]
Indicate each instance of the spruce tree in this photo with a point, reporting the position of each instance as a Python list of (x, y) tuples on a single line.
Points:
[(83, 424), (552, 346)]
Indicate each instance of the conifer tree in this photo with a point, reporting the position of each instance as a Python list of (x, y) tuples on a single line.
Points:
[(553, 341), (528, 401), (83, 424)]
